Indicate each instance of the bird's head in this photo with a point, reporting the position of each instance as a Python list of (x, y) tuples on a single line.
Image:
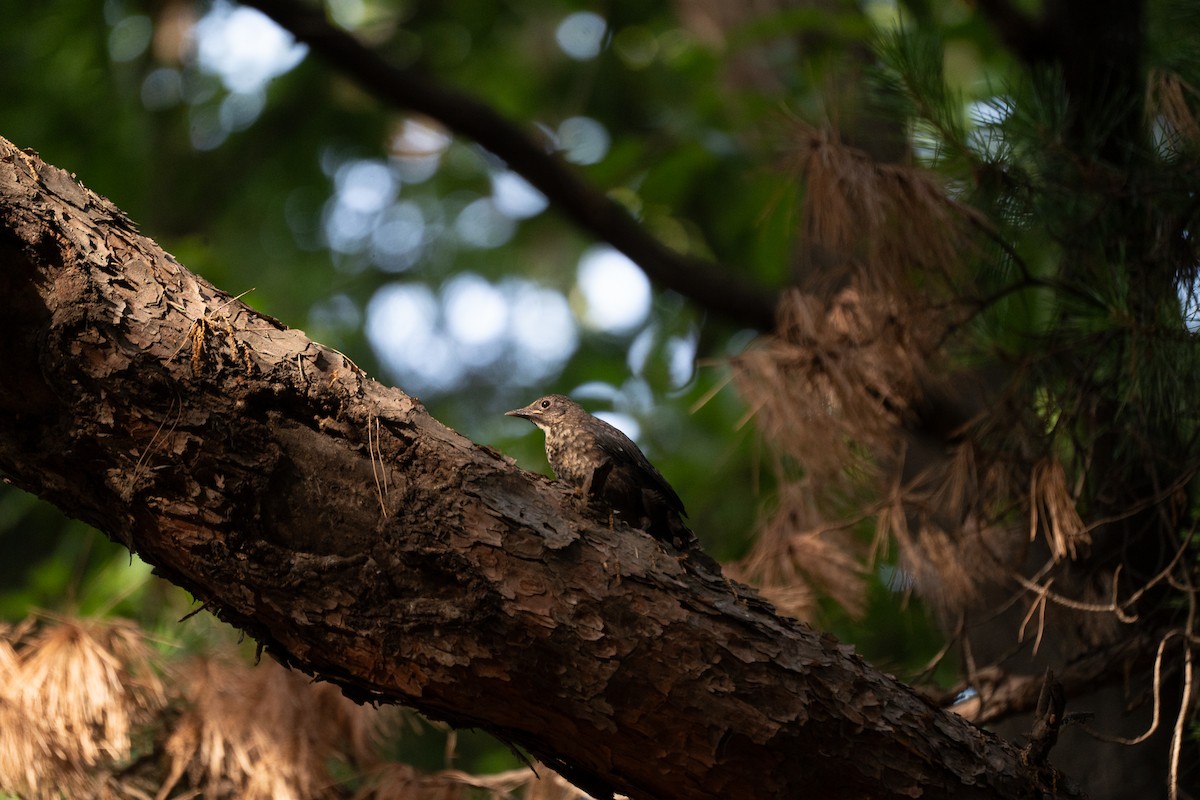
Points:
[(546, 411)]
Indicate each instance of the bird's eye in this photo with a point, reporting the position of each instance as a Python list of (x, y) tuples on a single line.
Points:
[(545, 404)]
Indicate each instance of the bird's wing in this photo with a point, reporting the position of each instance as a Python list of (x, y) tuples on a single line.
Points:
[(621, 449)]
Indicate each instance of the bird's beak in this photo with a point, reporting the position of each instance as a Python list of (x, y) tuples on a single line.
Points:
[(519, 412)]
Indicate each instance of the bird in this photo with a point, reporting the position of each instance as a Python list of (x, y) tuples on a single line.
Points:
[(605, 466)]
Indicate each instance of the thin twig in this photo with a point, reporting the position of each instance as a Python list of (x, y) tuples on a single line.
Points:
[(1185, 709), (374, 450), (1157, 694)]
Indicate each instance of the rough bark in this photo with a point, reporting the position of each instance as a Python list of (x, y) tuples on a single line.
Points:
[(359, 540)]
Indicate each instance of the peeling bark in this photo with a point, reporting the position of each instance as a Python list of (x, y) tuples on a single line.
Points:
[(359, 540)]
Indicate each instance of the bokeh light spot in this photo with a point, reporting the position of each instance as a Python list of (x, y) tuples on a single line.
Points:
[(162, 89), (244, 47), (636, 46), (476, 311), (622, 422), (583, 140), (616, 292), (514, 197), (397, 238), (417, 149), (130, 37), (365, 185), (542, 324), (480, 224), (581, 35)]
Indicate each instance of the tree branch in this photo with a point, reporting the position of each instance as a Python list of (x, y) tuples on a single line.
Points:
[(241, 460), (711, 286), (1000, 694)]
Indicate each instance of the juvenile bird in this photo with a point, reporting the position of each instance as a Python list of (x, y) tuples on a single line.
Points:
[(605, 465)]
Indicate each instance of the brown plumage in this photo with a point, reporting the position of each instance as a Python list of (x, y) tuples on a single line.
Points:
[(605, 465)]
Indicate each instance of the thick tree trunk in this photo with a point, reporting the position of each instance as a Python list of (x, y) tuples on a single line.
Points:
[(359, 540)]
